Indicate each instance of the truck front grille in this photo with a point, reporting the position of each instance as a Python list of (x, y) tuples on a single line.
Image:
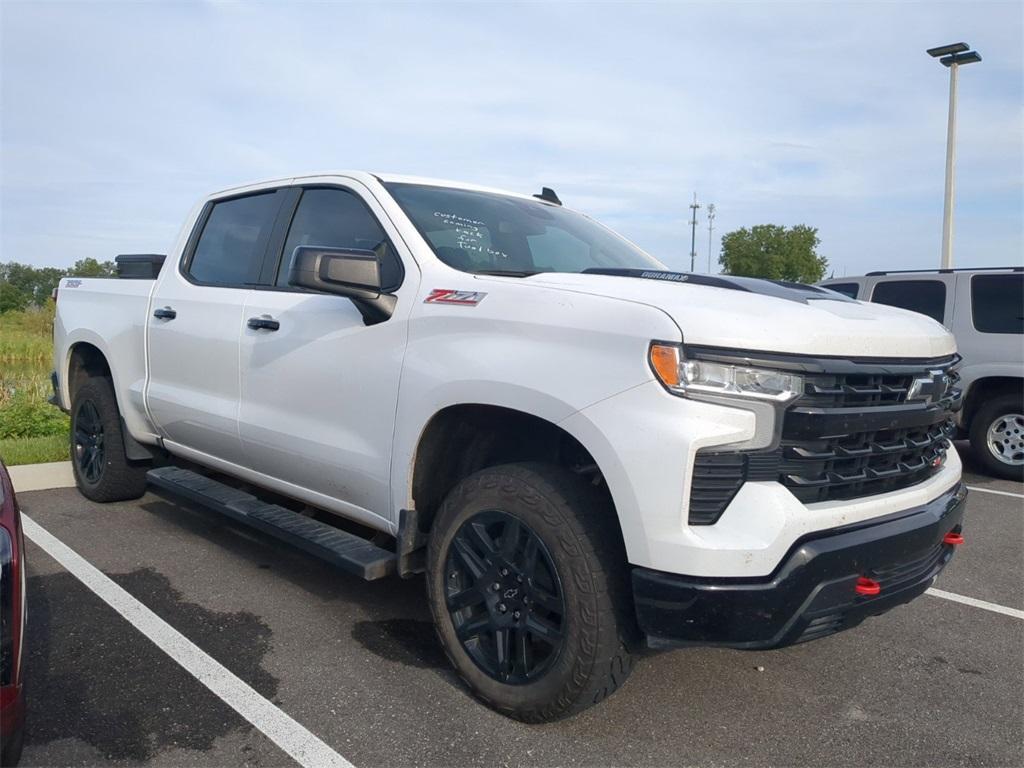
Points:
[(867, 428), (862, 463)]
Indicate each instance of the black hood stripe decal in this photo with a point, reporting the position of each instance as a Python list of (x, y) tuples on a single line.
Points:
[(779, 289)]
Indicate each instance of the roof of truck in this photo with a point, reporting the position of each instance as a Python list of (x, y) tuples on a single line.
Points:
[(367, 177)]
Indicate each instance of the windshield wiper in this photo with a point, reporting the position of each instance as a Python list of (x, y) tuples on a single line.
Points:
[(506, 272)]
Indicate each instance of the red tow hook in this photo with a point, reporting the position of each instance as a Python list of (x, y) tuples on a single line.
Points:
[(866, 586), (953, 539)]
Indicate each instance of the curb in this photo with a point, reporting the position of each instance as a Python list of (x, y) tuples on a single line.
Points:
[(41, 477)]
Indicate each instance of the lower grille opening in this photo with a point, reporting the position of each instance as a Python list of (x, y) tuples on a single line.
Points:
[(898, 576), (822, 626)]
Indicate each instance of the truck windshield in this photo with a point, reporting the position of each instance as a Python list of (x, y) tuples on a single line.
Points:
[(489, 233)]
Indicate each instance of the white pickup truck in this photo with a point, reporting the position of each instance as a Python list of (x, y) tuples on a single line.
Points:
[(585, 453)]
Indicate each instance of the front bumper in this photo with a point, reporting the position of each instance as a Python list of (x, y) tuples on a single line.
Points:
[(811, 594)]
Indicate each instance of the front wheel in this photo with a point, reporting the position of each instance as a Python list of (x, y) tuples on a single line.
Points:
[(997, 436), (528, 586), (102, 471)]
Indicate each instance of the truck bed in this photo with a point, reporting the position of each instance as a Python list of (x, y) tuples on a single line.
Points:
[(111, 315)]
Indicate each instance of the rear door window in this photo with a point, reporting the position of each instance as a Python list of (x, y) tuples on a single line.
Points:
[(231, 247), (925, 296), (997, 303), (337, 218)]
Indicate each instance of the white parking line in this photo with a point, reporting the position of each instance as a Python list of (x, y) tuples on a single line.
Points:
[(997, 493), (293, 738), (973, 601)]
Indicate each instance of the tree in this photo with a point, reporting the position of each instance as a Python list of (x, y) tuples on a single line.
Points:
[(11, 299), (774, 252), (92, 268), (35, 284)]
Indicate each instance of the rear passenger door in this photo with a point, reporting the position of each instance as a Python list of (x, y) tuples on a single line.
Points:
[(319, 387), (195, 321)]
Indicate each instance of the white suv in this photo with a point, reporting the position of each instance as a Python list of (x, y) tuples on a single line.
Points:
[(984, 308)]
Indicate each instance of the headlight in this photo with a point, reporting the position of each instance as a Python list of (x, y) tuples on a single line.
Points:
[(702, 378)]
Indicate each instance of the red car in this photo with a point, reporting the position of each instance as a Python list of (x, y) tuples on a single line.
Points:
[(12, 623)]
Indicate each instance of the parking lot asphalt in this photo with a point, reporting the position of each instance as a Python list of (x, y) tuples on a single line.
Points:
[(933, 683)]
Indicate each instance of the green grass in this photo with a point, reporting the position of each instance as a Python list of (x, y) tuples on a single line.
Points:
[(34, 450), (31, 430), (27, 336)]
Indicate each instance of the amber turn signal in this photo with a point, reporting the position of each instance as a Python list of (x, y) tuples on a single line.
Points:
[(665, 362)]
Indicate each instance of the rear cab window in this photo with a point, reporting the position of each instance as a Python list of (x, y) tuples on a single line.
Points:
[(233, 240), (927, 297), (847, 289), (997, 303)]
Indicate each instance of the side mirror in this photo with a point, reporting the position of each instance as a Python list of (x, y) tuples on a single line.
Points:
[(348, 272)]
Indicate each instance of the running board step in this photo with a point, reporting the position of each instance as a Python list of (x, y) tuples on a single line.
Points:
[(345, 550)]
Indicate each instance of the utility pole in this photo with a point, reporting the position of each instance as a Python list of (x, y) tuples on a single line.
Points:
[(711, 228), (952, 56), (693, 232)]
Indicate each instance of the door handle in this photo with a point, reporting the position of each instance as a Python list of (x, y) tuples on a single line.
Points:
[(264, 323), (164, 313)]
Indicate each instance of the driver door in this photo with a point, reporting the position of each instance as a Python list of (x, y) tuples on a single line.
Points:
[(319, 391)]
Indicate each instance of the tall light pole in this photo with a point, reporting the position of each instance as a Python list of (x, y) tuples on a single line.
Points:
[(711, 228), (951, 56), (693, 231)]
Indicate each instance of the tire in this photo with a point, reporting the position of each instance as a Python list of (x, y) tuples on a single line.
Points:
[(999, 424), (577, 589), (102, 471)]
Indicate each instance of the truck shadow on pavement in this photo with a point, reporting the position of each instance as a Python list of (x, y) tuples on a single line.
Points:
[(90, 680), (405, 641), (400, 630)]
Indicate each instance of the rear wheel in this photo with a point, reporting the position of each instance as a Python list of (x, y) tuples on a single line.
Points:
[(997, 436), (102, 471), (528, 586)]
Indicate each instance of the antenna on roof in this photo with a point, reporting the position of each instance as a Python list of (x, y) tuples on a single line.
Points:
[(547, 194)]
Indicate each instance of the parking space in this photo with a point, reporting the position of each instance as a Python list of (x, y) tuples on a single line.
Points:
[(933, 683)]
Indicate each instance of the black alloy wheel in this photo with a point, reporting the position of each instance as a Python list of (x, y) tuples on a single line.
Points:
[(88, 446), (504, 597)]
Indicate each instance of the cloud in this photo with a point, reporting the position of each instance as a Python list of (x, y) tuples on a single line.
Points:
[(117, 116)]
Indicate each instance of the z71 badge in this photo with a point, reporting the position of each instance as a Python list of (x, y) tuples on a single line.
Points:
[(448, 296)]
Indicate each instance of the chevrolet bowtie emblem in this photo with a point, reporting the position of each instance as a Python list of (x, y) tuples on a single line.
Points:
[(929, 388)]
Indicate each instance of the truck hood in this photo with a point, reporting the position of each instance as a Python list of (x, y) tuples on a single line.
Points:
[(745, 313)]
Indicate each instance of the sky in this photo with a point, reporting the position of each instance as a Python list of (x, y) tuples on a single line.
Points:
[(115, 118)]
